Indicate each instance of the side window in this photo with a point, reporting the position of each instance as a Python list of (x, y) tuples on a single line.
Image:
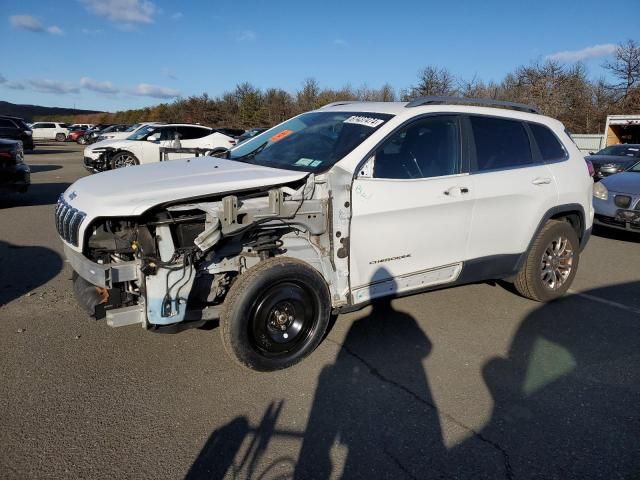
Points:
[(6, 123), (190, 133), (167, 133), (550, 147), (47, 125), (429, 147), (500, 143), (36, 125)]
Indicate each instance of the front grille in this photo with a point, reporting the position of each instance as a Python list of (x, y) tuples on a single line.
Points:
[(622, 201), (68, 221)]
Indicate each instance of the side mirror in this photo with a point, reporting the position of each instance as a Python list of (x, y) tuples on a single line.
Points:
[(591, 153), (153, 138)]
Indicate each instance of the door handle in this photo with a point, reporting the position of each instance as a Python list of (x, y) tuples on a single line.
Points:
[(456, 191), (541, 181)]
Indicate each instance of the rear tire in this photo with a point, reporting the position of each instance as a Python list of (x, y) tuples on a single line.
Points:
[(60, 137), (275, 314), (551, 264), (82, 141)]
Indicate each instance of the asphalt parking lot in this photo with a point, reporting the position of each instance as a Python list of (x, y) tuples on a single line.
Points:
[(468, 382)]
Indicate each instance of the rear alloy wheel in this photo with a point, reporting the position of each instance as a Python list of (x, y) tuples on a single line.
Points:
[(60, 137), (123, 159), (275, 314), (551, 264)]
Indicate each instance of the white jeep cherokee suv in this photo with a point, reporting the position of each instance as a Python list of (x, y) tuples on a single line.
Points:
[(325, 213)]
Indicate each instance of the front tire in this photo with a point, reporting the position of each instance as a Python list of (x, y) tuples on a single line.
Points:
[(82, 141), (551, 264), (275, 314), (61, 137), (124, 159)]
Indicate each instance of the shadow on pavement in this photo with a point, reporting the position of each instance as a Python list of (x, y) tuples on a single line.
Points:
[(23, 269), (38, 194), (47, 151), (44, 168), (565, 405), (613, 234)]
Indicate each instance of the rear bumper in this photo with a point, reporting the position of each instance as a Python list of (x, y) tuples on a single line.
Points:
[(15, 178)]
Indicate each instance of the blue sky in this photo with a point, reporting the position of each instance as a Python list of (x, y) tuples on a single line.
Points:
[(119, 54)]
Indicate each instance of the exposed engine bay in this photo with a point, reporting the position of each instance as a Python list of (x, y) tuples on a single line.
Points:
[(187, 255)]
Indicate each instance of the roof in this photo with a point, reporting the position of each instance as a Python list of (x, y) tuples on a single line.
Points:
[(400, 109)]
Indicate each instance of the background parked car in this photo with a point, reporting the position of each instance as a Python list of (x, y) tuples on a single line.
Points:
[(15, 128), (614, 159), (249, 134), (15, 175), (91, 136), (76, 132), (125, 133), (616, 200), (50, 131)]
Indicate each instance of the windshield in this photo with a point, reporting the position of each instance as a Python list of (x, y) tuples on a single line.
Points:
[(311, 142), (142, 132), (621, 151), (635, 168), (134, 127)]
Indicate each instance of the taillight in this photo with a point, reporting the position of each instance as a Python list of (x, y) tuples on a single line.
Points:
[(592, 171)]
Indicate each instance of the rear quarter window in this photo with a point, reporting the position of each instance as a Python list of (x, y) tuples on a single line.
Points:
[(500, 143), (550, 147)]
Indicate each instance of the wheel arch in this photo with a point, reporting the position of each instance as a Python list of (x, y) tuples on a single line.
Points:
[(572, 213)]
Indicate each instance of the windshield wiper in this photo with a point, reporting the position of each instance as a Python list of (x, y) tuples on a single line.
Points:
[(251, 154)]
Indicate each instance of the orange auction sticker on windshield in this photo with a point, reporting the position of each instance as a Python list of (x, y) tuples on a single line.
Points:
[(281, 135)]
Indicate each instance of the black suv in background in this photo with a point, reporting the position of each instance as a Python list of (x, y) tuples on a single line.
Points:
[(14, 128)]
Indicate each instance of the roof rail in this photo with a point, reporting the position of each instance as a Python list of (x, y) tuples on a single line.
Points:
[(471, 101), (335, 104)]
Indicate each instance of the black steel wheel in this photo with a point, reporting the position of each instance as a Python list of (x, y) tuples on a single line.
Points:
[(275, 314)]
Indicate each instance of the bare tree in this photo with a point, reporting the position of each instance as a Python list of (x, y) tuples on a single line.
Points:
[(625, 67), (433, 81)]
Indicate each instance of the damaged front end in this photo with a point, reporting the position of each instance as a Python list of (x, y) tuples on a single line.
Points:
[(99, 159), (175, 264)]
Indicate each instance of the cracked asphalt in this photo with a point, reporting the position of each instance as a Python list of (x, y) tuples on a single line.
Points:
[(469, 382)]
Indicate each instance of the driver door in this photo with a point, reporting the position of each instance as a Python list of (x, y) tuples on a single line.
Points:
[(411, 213)]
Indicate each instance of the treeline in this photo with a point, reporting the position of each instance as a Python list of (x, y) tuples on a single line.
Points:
[(562, 91)]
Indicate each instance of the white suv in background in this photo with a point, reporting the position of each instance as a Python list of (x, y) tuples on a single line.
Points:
[(50, 131), (143, 145), (327, 212)]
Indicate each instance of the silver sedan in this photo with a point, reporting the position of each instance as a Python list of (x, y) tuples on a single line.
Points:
[(616, 200)]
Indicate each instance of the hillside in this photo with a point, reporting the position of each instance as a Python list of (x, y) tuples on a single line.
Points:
[(28, 112)]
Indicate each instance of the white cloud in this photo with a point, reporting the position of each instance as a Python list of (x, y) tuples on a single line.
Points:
[(177, 15), (55, 30), (245, 36), (15, 85), (26, 22), (127, 11), (155, 91), (3, 79), (594, 51), (97, 86), (91, 31), (53, 86)]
